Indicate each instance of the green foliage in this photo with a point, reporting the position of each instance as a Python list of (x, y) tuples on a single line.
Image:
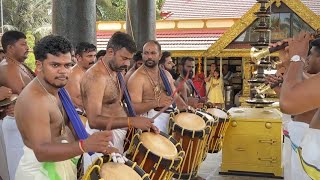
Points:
[(30, 61), (115, 10), (159, 4), (27, 15)]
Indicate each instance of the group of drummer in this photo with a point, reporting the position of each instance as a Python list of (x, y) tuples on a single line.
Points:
[(43, 136)]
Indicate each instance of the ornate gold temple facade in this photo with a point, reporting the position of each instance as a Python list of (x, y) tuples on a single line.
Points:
[(219, 48)]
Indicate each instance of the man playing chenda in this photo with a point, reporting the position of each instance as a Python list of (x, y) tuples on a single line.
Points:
[(151, 87), (104, 92), (47, 120), (189, 93)]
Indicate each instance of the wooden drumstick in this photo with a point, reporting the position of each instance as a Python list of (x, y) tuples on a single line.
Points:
[(179, 87), (108, 128), (164, 108)]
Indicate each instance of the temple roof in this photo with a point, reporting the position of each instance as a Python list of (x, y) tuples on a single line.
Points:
[(170, 40), (195, 9)]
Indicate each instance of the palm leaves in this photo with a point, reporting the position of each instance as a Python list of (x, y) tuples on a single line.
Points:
[(115, 10), (27, 15)]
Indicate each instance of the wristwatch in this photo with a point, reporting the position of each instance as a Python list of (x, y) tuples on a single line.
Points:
[(296, 58)]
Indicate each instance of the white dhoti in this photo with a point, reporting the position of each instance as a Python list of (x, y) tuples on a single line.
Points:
[(4, 173), (31, 169), (161, 122), (286, 119), (13, 143), (119, 135), (293, 169), (309, 152)]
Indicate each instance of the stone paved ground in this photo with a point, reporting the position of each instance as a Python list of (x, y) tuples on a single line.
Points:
[(211, 166)]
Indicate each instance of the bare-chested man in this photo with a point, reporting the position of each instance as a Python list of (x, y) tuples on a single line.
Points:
[(137, 58), (102, 93), (51, 146), (14, 75), (147, 89), (188, 92), (299, 96), (86, 55), (299, 124)]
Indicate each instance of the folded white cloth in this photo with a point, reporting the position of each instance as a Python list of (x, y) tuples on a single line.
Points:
[(31, 169), (310, 153), (119, 136), (13, 143), (293, 169), (161, 122)]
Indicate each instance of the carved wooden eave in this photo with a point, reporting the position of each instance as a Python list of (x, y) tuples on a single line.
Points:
[(218, 48), (193, 53)]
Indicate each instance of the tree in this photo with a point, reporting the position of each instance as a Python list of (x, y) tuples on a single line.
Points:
[(115, 10), (33, 15), (33, 18)]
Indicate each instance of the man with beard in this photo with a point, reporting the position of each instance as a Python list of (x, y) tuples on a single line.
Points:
[(103, 91), (137, 58), (148, 87), (14, 75), (167, 64), (51, 143), (188, 93), (85, 55)]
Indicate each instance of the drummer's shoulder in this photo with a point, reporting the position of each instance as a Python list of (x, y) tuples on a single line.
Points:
[(138, 75), (32, 93), (93, 75)]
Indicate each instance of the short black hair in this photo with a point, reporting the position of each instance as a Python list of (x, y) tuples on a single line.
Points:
[(51, 44), (101, 53), (84, 47), (184, 59), (156, 43), (121, 40), (316, 43), (11, 37), (137, 56), (165, 54)]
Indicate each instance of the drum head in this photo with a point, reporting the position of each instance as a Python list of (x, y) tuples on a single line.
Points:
[(218, 113), (159, 145), (190, 121), (115, 171), (8, 101), (208, 116)]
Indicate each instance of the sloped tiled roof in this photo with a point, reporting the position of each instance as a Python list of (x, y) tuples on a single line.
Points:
[(195, 9), (172, 40)]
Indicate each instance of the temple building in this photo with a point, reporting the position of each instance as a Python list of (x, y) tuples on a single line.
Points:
[(212, 32)]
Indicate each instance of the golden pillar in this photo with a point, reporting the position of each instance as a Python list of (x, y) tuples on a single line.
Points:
[(246, 75)]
